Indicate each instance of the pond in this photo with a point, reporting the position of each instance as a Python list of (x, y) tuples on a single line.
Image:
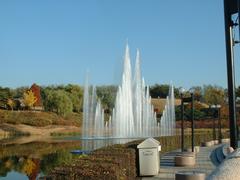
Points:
[(24, 158)]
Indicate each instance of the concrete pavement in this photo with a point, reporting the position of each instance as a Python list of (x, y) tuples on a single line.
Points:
[(168, 169)]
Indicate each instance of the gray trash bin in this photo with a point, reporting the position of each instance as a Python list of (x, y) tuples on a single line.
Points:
[(149, 161)]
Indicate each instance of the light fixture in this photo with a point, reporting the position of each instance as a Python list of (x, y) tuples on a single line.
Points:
[(182, 90)]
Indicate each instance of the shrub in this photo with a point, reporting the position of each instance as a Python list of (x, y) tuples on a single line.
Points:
[(39, 118), (114, 162), (117, 161)]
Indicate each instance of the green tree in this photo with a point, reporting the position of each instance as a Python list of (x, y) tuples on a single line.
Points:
[(5, 94), (159, 91), (198, 92), (75, 93), (58, 101), (18, 92), (107, 95), (199, 111), (214, 94)]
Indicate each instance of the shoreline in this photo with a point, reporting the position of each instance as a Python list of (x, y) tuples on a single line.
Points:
[(11, 130)]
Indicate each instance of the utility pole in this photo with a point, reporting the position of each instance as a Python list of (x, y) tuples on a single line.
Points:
[(182, 123), (192, 119), (230, 7)]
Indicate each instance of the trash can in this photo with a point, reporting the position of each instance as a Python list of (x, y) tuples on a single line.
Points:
[(149, 161)]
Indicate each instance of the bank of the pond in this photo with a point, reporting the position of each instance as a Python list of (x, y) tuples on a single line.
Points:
[(117, 161), (9, 130), (39, 118), (14, 123)]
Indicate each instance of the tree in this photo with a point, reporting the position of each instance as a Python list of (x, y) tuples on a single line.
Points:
[(29, 98), (75, 93), (18, 92), (107, 95), (199, 112), (5, 94), (58, 101), (11, 103), (198, 92), (37, 93), (214, 94), (159, 91)]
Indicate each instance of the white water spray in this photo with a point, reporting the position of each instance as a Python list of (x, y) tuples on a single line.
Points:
[(133, 114)]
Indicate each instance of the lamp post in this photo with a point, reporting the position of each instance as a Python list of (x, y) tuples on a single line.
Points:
[(182, 90), (192, 117), (217, 109), (231, 7), (213, 125), (219, 123), (189, 100)]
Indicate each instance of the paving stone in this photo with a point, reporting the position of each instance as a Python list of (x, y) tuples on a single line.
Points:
[(168, 168)]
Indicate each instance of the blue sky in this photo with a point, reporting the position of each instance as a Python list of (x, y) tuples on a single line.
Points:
[(57, 41)]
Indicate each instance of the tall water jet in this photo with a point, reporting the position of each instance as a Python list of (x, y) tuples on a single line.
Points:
[(133, 114), (99, 127), (123, 117), (93, 114), (172, 110), (168, 120), (86, 115), (137, 96)]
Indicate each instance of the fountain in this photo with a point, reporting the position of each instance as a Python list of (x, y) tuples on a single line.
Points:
[(133, 115), (167, 122), (93, 114)]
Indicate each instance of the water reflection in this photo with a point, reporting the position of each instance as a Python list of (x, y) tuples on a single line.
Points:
[(22, 159), (92, 144), (33, 159), (25, 165)]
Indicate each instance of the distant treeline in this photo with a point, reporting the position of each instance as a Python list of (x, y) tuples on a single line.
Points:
[(64, 99)]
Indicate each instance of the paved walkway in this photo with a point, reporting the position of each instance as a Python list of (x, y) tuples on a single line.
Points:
[(168, 170)]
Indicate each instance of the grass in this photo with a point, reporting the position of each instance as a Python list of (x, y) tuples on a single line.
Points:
[(39, 119), (57, 134), (159, 103)]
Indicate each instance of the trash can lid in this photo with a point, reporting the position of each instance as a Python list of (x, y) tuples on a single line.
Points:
[(149, 143)]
